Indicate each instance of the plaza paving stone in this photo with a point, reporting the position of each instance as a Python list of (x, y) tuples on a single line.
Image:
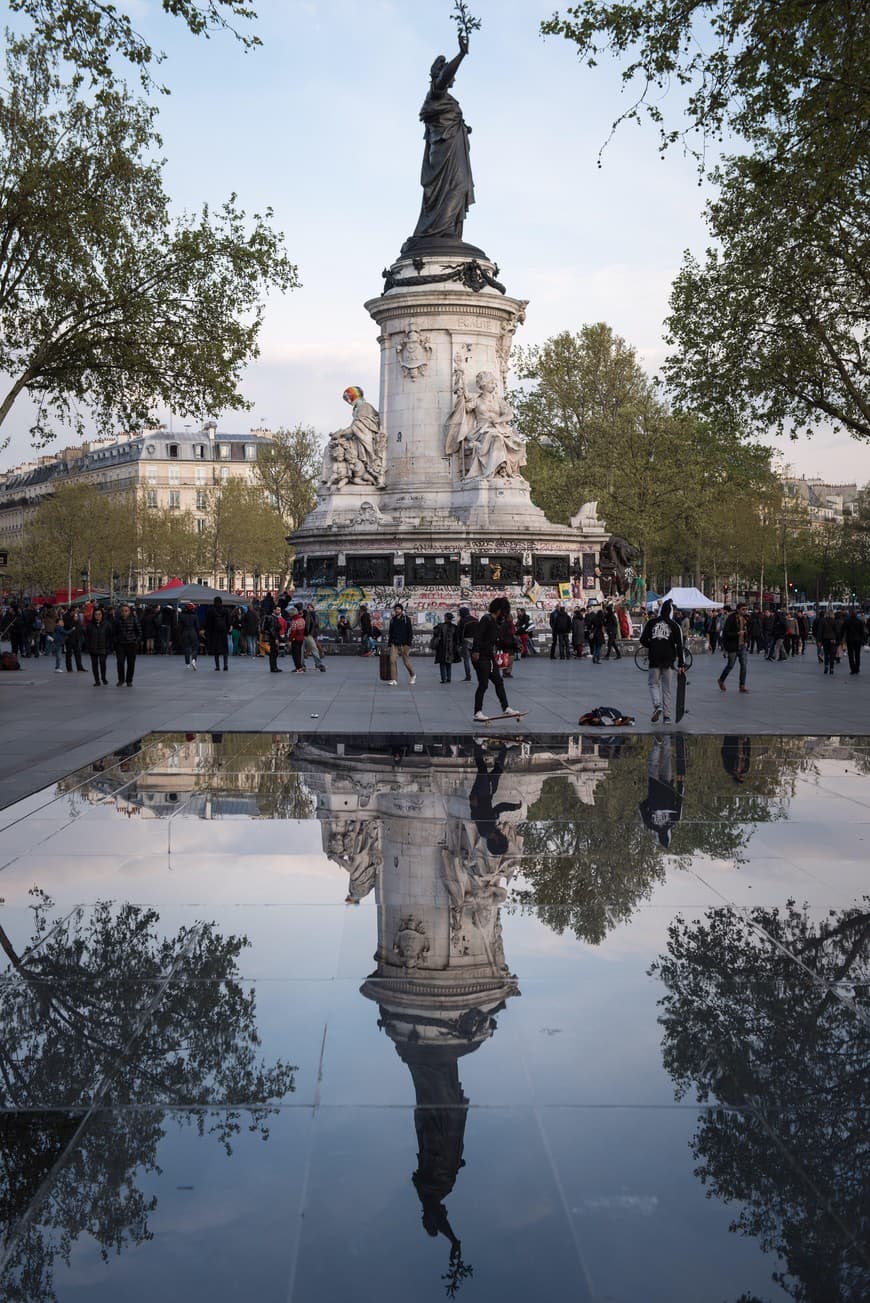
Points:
[(52, 722)]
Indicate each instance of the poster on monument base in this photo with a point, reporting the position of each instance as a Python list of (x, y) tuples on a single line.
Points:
[(533, 593), (564, 591)]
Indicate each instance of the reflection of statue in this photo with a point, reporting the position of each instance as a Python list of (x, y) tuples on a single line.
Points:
[(355, 455), (414, 351), (615, 562), (448, 189), (411, 944), (355, 844), (479, 430)]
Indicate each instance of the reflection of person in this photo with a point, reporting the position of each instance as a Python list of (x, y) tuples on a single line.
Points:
[(663, 806), (485, 815), (737, 756), (448, 188)]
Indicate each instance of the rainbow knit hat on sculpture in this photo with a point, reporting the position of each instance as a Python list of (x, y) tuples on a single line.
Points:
[(353, 393)]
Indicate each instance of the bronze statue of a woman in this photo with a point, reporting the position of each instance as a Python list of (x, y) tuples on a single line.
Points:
[(448, 188)]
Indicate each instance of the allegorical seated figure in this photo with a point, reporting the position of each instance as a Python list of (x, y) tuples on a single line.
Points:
[(480, 431), (355, 455)]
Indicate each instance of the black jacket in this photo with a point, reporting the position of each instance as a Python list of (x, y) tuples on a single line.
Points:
[(217, 627), (126, 630), (445, 643), (664, 640), (98, 637), (854, 629), (733, 635), (487, 637), (401, 633)]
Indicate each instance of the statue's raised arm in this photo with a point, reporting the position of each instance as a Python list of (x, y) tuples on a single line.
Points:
[(448, 188)]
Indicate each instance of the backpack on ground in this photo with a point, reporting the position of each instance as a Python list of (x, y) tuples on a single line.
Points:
[(605, 715)]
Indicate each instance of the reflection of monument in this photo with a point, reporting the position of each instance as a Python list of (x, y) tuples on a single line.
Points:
[(438, 841), (428, 491)]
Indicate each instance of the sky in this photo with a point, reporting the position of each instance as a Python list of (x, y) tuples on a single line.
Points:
[(321, 124)]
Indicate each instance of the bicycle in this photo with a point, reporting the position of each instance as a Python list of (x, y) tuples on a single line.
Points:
[(641, 658)]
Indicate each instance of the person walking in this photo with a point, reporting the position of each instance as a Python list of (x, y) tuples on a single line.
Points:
[(445, 644), (778, 634), (611, 631), (98, 640), (272, 630), (465, 632), (251, 628), (526, 633), (483, 650), (595, 633), (400, 637), (296, 638), (366, 631), (826, 637), (72, 623), (59, 639), (578, 631), (735, 644), (713, 630), (217, 632), (311, 647), (189, 631), (560, 627), (664, 642), (854, 636), (126, 633)]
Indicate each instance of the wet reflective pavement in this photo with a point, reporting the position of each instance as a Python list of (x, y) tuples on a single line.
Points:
[(306, 1018)]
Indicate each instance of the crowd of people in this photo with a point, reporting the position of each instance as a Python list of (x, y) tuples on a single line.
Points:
[(487, 646)]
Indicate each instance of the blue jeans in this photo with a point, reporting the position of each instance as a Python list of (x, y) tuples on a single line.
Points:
[(739, 655), (251, 640)]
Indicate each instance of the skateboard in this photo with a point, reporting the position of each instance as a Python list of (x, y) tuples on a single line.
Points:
[(681, 696), (521, 715)]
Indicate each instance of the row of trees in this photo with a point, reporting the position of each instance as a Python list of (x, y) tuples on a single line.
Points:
[(115, 538), (699, 498)]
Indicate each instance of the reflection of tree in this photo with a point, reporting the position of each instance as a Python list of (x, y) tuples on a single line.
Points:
[(767, 1013), (589, 866), (99, 1010)]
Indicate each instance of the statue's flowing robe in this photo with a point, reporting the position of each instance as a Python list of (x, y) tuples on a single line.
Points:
[(448, 188)]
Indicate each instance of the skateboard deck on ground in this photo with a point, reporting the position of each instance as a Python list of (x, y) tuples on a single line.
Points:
[(490, 718), (386, 671), (681, 696)]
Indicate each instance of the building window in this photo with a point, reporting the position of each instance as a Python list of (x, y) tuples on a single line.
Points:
[(250, 452), (225, 474), (199, 474), (199, 451), (172, 449), (223, 451), (200, 526), (151, 475), (174, 499), (201, 500), (150, 497), (174, 474)]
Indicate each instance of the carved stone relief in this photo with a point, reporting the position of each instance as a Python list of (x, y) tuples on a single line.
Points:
[(411, 944), (414, 351)]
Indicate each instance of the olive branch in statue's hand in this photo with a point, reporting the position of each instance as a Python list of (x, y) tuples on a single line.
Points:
[(465, 22)]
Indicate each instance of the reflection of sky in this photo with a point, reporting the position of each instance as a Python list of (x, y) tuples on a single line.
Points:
[(578, 1177)]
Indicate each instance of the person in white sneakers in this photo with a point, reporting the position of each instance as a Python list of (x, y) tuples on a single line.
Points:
[(400, 637), (490, 630)]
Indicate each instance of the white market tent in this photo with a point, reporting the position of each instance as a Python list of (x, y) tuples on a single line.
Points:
[(691, 599)]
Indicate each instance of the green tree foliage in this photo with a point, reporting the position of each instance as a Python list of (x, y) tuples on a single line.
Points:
[(88, 33), (766, 1013), (772, 328), (287, 468), (244, 532), (64, 536), (684, 490), (107, 306)]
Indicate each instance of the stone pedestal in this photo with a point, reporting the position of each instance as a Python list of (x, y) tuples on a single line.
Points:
[(443, 321)]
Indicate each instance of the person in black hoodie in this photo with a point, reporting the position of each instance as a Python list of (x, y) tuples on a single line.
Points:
[(663, 639), (487, 638), (125, 636), (217, 631), (98, 640)]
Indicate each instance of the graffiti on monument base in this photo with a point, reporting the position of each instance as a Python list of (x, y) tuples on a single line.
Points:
[(426, 605)]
